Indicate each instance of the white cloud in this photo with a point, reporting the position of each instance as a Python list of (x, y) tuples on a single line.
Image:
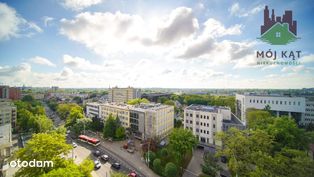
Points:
[(236, 10), (297, 68), (47, 20), (119, 32), (307, 59), (79, 4), (13, 25), (180, 23), (42, 61), (80, 63)]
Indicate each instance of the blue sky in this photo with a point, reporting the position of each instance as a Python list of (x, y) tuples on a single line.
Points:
[(170, 44)]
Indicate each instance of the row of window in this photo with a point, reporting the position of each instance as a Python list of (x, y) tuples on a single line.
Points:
[(309, 109), (308, 105), (309, 120), (200, 131), (309, 114), (275, 102), (197, 123), (200, 116)]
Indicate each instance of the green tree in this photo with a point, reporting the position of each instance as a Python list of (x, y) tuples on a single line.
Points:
[(210, 166), (170, 170), (43, 147), (138, 101), (75, 114), (28, 98), (81, 124), (181, 141), (258, 119), (164, 152), (150, 156), (42, 123), (116, 174), (23, 116), (245, 150), (110, 127), (86, 167), (68, 170), (157, 166), (120, 133)]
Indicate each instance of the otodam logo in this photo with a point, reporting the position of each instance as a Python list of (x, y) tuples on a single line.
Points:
[(278, 30)]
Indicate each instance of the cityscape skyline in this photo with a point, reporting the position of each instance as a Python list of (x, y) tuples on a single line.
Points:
[(186, 44)]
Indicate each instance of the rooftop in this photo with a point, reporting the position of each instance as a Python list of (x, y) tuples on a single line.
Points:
[(268, 95), (206, 108), (234, 120)]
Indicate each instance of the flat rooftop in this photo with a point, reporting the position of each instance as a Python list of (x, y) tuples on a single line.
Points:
[(269, 95), (206, 108)]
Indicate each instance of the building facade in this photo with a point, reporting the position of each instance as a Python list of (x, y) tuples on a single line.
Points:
[(144, 120), (7, 118), (279, 105), (123, 95), (7, 92), (93, 110), (206, 121), (309, 111)]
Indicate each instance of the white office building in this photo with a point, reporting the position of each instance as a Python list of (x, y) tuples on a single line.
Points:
[(93, 110), (279, 105), (309, 111), (206, 121)]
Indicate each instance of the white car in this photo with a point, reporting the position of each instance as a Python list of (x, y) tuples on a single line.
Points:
[(97, 164), (74, 144)]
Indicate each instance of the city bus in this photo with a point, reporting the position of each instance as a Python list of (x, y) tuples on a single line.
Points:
[(89, 140)]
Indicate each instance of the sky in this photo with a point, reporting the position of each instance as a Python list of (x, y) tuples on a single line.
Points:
[(146, 43)]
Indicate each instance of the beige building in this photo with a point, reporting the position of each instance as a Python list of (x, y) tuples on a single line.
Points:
[(123, 95), (122, 111), (7, 117), (144, 120)]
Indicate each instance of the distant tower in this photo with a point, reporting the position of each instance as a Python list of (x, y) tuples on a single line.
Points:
[(272, 15)]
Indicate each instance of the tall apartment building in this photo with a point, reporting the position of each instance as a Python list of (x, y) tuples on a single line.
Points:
[(7, 117), (206, 121), (279, 105), (309, 111), (123, 95), (144, 120), (12, 93)]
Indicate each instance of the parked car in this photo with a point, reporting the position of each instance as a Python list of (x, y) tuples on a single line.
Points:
[(97, 164), (130, 150), (105, 157), (132, 174), (116, 166), (74, 144), (97, 153)]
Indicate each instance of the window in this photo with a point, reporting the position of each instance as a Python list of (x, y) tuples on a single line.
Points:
[(197, 123), (201, 124), (207, 124), (186, 121), (197, 115), (289, 102), (278, 34), (187, 114), (197, 130), (214, 118), (299, 103), (250, 101), (253, 101), (214, 126), (256, 101), (201, 116), (207, 117), (280, 102), (191, 122), (191, 115), (276, 102), (201, 131)]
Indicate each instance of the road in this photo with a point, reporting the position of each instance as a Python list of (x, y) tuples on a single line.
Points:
[(125, 167), (131, 161), (57, 121)]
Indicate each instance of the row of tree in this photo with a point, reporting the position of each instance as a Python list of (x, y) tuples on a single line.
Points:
[(31, 116)]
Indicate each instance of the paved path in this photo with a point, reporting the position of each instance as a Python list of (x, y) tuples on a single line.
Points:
[(194, 168)]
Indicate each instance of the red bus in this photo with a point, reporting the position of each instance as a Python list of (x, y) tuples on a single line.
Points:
[(89, 140)]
